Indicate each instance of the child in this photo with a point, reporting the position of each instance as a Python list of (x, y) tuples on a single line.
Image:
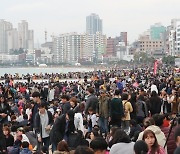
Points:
[(92, 119), (25, 148)]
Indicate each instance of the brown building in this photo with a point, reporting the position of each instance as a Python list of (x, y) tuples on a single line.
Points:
[(110, 48), (149, 46), (123, 37)]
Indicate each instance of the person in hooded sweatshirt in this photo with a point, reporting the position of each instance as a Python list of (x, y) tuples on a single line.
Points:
[(149, 124)]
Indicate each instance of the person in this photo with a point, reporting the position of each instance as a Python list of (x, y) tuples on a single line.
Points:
[(155, 103), (116, 109), (8, 137), (66, 106), (91, 101), (142, 111), (140, 147), (78, 110), (62, 147), (110, 135), (149, 124), (177, 136), (127, 110), (5, 110), (177, 151), (25, 148), (43, 123), (62, 127), (171, 145), (51, 93), (103, 112), (21, 132), (92, 119), (133, 101), (153, 147), (83, 150), (94, 134), (121, 143), (99, 145), (135, 129), (37, 101), (3, 148), (16, 147)]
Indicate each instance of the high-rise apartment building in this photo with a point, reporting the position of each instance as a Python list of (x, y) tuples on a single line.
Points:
[(93, 46), (174, 37), (66, 48), (93, 24), (25, 36), (4, 27), (87, 46), (178, 38), (12, 39)]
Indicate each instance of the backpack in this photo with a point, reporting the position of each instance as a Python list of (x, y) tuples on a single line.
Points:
[(124, 109)]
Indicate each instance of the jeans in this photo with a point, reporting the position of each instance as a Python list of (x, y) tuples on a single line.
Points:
[(103, 124), (45, 142), (54, 147)]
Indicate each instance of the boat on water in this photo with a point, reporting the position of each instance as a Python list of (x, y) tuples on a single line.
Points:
[(42, 65)]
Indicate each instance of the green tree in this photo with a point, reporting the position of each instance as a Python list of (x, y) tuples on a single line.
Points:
[(140, 57), (170, 60)]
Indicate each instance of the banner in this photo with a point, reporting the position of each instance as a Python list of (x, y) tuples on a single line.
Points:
[(155, 67)]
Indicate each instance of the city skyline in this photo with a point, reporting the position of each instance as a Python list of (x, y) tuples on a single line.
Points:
[(60, 16)]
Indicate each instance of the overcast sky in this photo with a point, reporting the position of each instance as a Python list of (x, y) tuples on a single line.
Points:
[(63, 16)]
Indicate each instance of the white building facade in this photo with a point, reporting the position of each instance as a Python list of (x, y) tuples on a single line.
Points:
[(66, 48), (4, 27)]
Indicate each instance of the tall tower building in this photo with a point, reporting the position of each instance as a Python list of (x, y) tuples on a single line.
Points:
[(93, 24), (12, 39), (25, 36), (4, 27)]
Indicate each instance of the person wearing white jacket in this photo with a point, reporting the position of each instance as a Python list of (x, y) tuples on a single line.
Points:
[(78, 122), (159, 134), (78, 118)]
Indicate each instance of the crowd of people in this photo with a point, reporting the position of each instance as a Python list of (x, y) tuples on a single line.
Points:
[(115, 111)]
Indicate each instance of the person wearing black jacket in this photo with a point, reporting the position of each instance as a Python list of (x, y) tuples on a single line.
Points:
[(116, 109), (155, 103), (43, 123), (92, 100), (37, 101), (66, 106), (5, 110), (62, 128)]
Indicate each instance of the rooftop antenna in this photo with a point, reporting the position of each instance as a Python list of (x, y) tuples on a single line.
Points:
[(45, 35)]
